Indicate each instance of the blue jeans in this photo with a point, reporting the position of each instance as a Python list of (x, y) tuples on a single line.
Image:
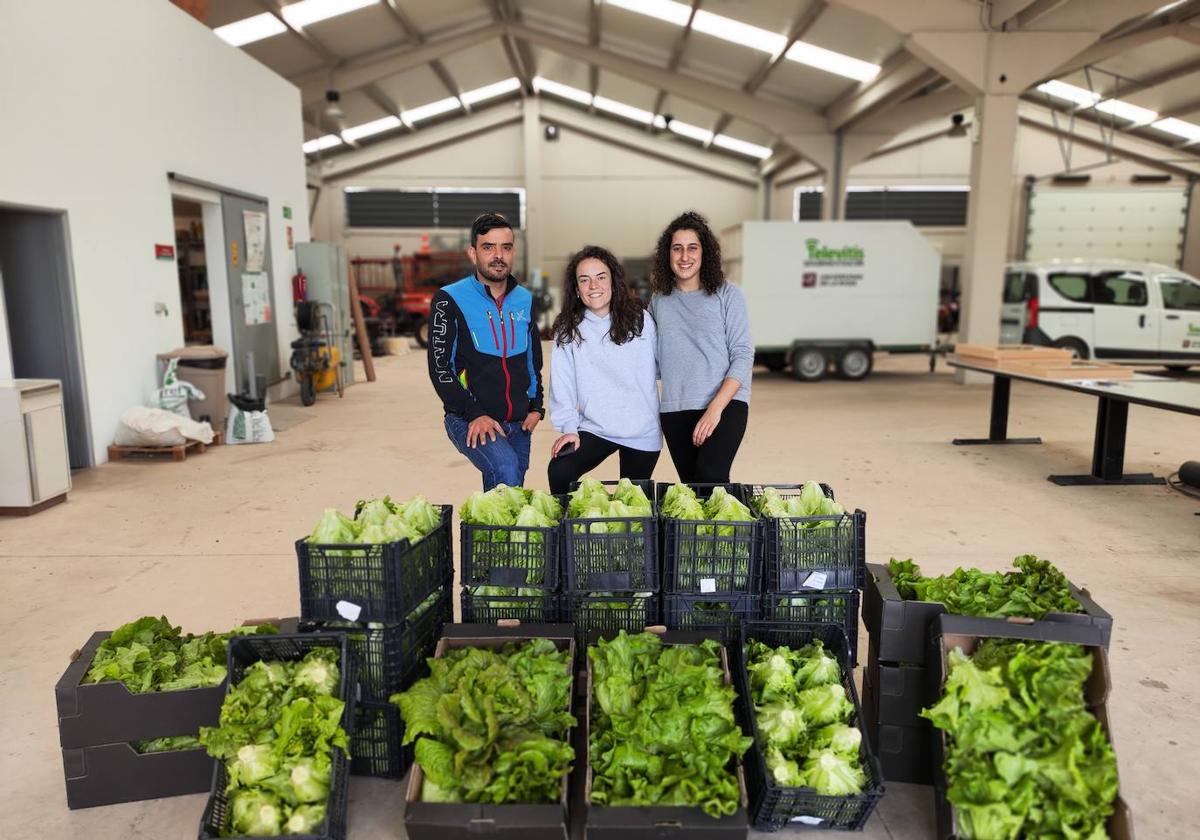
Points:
[(502, 461)]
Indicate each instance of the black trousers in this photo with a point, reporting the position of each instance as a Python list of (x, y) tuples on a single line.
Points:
[(591, 452), (710, 462)]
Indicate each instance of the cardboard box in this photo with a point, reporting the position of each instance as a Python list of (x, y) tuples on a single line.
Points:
[(993, 355), (112, 773), (1070, 369), (901, 690), (900, 629), (653, 823), (964, 632), (462, 821)]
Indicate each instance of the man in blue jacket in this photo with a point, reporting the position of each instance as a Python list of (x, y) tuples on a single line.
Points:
[(485, 358)]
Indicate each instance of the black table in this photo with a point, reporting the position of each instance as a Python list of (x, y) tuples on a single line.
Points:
[(1112, 416)]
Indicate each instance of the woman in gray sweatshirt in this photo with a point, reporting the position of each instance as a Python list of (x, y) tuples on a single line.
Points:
[(603, 390), (705, 352)]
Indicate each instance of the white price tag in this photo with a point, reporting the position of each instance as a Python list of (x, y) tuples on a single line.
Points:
[(349, 611), (808, 820), (708, 585), (815, 581)]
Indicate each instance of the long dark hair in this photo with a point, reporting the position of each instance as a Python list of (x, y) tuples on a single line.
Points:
[(626, 311), (711, 273)]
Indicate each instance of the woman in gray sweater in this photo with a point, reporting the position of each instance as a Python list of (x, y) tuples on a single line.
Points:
[(705, 352), (603, 381)]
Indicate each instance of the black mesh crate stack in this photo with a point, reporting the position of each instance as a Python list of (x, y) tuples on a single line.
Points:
[(814, 566), (611, 571), (712, 570), (390, 602), (511, 572)]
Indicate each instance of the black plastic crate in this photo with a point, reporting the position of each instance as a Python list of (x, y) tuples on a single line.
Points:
[(773, 807), (391, 656), (385, 582), (478, 608), (833, 548), (375, 746), (840, 608), (716, 612), (707, 556), (112, 773), (245, 651), (508, 555), (618, 554), (608, 612), (901, 629)]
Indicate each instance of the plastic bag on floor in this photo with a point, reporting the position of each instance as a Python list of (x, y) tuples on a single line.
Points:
[(143, 426), (174, 394), (242, 426)]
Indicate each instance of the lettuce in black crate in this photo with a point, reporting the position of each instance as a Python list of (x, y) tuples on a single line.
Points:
[(608, 612), (510, 537), (809, 540), (611, 536), (379, 566), (375, 748), (711, 540), (286, 724), (489, 604), (810, 764), (840, 608)]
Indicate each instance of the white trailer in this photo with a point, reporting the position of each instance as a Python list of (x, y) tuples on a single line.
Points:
[(827, 295)]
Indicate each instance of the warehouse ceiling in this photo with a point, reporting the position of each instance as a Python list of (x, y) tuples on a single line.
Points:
[(730, 76)]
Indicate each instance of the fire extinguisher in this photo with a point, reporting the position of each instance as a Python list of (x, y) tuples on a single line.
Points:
[(299, 287)]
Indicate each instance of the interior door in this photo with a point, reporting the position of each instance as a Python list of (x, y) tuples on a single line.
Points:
[(251, 290), (1180, 317), (1126, 324)]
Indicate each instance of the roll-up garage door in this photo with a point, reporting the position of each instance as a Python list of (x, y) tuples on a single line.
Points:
[(1144, 224)]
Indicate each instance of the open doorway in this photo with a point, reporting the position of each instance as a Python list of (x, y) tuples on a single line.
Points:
[(190, 258), (37, 305)]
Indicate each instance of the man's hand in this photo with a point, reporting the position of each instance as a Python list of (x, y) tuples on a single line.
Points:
[(569, 439), (481, 430), (531, 421), (706, 426)]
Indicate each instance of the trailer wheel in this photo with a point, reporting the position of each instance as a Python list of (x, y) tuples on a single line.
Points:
[(855, 363), (421, 331), (809, 364)]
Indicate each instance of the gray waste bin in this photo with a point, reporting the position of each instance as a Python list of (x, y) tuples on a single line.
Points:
[(204, 366)]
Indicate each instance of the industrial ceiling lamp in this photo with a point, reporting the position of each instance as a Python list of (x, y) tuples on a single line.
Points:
[(333, 108)]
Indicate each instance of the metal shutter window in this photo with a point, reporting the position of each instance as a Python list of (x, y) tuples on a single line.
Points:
[(378, 208), (924, 208)]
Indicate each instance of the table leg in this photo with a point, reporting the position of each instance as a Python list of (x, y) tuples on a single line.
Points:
[(998, 427), (1108, 450)]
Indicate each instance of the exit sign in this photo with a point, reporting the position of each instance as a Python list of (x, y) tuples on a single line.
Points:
[(164, 252)]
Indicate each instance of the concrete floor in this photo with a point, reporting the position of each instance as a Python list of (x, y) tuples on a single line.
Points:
[(208, 542)]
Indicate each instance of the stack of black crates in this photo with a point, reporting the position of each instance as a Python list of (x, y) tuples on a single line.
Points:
[(611, 572), (712, 570), (390, 600)]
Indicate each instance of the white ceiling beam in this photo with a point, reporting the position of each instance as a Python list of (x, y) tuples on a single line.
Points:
[(594, 24), (901, 76), (775, 118), (516, 50), (1035, 11), (1150, 161), (356, 73), (681, 41), (917, 110), (1104, 50), (414, 34)]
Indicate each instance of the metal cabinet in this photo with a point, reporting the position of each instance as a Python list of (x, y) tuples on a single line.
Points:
[(35, 469)]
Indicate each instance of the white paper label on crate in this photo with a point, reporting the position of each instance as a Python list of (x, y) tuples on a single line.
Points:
[(815, 581), (808, 820), (349, 611), (708, 585)]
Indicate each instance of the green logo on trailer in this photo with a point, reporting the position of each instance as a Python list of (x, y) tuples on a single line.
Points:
[(819, 254)]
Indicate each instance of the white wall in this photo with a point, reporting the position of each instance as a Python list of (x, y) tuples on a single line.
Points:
[(110, 97)]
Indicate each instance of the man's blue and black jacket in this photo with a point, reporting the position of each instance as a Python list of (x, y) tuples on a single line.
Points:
[(485, 355)]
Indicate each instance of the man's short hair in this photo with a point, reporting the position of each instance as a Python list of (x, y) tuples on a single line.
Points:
[(485, 224)]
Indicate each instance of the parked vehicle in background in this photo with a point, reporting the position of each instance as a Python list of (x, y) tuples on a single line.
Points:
[(1115, 310), (825, 295), (404, 292)]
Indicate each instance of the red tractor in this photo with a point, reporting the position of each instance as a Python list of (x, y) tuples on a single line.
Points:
[(398, 291)]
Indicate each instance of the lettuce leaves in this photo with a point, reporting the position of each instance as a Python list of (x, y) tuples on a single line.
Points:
[(491, 726), (377, 521), (1034, 589), (811, 502), (1024, 756), (662, 728)]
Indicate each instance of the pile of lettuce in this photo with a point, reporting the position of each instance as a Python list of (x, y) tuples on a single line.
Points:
[(592, 500), (378, 521), (492, 726), (1024, 756), (803, 717), (662, 727), (173, 743), (277, 729), (699, 552), (1034, 589), (150, 654), (505, 545), (812, 501)]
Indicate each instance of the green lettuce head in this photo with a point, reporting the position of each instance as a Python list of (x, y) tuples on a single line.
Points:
[(256, 813)]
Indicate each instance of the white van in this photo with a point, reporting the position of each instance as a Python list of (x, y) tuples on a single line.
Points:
[(1115, 310)]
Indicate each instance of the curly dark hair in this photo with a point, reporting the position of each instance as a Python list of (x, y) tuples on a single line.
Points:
[(662, 278), (628, 316)]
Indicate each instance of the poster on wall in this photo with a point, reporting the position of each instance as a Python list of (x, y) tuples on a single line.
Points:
[(256, 298), (254, 223)]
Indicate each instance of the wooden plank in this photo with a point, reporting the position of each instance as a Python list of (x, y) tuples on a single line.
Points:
[(360, 327)]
